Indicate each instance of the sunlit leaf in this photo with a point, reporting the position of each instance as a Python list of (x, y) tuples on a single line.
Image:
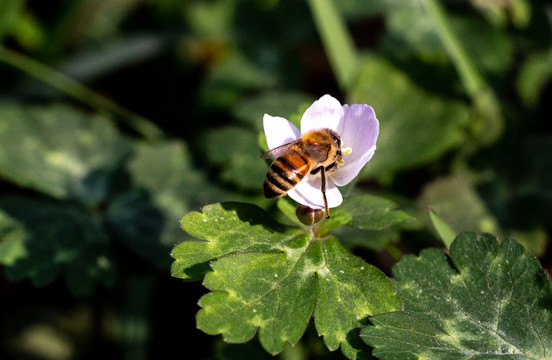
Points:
[(221, 225), (271, 279), (58, 241), (366, 212), (60, 151), (492, 301)]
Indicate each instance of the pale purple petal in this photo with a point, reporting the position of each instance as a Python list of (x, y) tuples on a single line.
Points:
[(359, 132), (308, 192), (349, 170), (326, 112), (279, 131)]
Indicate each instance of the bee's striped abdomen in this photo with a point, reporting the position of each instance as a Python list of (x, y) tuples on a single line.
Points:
[(284, 174)]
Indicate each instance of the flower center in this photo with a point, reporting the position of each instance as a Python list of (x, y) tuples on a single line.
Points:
[(345, 151)]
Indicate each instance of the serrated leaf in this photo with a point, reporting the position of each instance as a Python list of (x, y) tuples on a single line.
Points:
[(349, 290), (494, 303), (366, 212), (59, 151), (268, 278), (58, 241), (228, 228)]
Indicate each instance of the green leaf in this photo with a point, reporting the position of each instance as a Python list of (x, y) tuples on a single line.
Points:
[(288, 208), (12, 240), (10, 13), (228, 228), (494, 303), (164, 186), (270, 279), (365, 212), (443, 229), (231, 76), (490, 49), (251, 110), (406, 130), (349, 290), (457, 202), (60, 151), (57, 240), (373, 240), (236, 153), (533, 77)]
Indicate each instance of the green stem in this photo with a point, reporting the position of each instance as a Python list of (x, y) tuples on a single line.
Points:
[(486, 105), (337, 41), (473, 81), (78, 91), (134, 325), (394, 251)]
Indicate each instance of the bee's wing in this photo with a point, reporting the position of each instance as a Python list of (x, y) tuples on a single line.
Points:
[(277, 151)]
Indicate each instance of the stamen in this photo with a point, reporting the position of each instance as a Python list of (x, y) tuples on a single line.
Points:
[(345, 151)]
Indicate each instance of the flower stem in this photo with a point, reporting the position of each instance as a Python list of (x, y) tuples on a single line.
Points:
[(394, 251), (78, 91), (337, 41), (486, 106)]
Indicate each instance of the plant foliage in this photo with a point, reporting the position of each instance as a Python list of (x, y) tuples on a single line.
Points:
[(492, 300)]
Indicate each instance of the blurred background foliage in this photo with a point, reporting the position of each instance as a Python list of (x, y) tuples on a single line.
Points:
[(119, 116)]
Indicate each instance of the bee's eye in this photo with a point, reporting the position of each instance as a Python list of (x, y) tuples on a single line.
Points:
[(336, 140)]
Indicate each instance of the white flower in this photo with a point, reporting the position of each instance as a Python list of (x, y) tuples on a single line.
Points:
[(355, 124)]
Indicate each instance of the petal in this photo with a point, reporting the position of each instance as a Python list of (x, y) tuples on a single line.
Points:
[(350, 170), (308, 192), (279, 131), (360, 130), (326, 112)]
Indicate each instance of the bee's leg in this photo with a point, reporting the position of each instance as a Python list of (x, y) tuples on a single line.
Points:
[(323, 188), (331, 167)]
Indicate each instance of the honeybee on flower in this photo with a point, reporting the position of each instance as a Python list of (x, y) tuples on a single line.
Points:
[(333, 145)]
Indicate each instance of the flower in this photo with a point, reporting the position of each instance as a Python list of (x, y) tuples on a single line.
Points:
[(355, 124)]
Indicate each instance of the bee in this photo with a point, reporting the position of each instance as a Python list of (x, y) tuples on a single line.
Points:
[(316, 153)]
